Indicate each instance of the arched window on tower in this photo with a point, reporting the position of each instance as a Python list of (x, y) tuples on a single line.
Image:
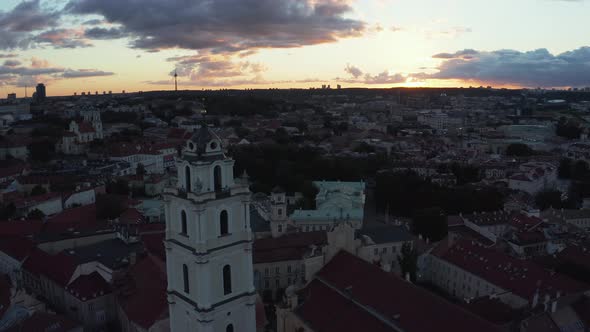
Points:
[(223, 223), (217, 178), (226, 280), (187, 178), (185, 278), (229, 328), (183, 227)]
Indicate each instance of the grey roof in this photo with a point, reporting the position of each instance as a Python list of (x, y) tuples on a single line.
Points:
[(202, 137), (257, 223), (112, 253), (386, 233)]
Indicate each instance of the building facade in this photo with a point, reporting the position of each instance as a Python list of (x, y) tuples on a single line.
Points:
[(209, 242)]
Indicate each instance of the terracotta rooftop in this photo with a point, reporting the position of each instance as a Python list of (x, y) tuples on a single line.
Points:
[(58, 268), (349, 294), (145, 300), (522, 277)]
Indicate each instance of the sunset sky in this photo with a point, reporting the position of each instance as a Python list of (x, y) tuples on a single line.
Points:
[(89, 45)]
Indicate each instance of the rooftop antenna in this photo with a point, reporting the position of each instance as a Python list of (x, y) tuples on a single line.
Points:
[(175, 81)]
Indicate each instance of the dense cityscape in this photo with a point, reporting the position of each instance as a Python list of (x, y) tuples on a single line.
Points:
[(469, 202), (294, 166)]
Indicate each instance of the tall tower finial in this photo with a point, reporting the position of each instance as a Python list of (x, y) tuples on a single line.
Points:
[(175, 81)]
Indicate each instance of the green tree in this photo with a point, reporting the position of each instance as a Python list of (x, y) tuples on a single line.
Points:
[(41, 150), (408, 261), (565, 168), (36, 214), (431, 223), (140, 170), (38, 190), (110, 206), (519, 150), (7, 211), (549, 198)]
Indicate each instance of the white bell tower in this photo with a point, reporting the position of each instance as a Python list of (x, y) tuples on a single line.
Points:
[(278, 215), (209, 242)]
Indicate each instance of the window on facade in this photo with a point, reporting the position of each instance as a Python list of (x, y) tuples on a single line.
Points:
[(185, 278), (393, 249), (217, 178), (278, 270), (278, 283), (230, 327), (384, 250), (183, 228), (376, 251), (223, 223), (187, 178), (226, 280), (288, 268), (280, 212), (266, 272), (280, 228)]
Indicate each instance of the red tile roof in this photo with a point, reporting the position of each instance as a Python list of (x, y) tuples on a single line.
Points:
[(12, 171), (78, 217), (85, 127), (20, 227), (154, 244), (502, 270), (58, 268), (16, 247), (89, 286), (287, 247), (350, 294), (131, 216), (145, 303)]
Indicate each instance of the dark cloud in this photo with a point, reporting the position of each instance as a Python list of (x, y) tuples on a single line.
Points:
[(467, 53), (105, 33), (71, 73), (533, 68), (226, 25), (353, 71), (93, 22), (63, 38), (41, 70), (210, 66), (28, 16), (382, 78), (12, 63), (17, 25)]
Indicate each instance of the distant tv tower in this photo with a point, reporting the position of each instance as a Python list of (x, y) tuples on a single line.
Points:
[(175, 81)]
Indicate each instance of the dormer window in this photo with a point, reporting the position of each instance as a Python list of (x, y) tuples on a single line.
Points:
[(213, 145), (191, 146)]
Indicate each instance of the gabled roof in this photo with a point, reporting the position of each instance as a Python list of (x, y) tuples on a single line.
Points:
[(522, 277), (16, 247), (386, 233), (145, 302), (287, 247), (58, 268), (350, 294), (89, 286)]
